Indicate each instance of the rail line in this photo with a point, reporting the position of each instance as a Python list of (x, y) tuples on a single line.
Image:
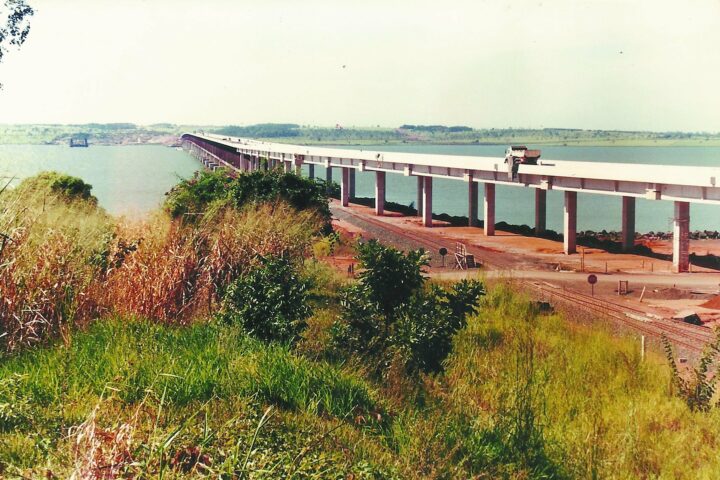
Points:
[(691, 337)]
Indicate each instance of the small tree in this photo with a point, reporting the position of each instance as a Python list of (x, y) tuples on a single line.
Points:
[(389, 314), (698, 387), (270, 301), (15, 25)]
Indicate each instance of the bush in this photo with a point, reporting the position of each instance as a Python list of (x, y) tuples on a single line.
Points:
[(270, 301), (197, 195), (388, 315)]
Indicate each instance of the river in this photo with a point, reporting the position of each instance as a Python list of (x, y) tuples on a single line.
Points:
[(132, 180)]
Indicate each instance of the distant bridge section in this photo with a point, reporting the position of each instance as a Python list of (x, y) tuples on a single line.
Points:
[(679, 184)]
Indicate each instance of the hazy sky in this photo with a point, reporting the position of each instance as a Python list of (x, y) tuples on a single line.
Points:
[(630, 64)]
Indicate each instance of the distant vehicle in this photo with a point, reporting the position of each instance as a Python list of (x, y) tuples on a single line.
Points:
[(517, 154)]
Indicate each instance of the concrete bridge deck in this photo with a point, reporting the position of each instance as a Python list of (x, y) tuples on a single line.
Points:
[(680, 184)]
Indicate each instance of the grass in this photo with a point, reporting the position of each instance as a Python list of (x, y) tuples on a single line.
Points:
[(523, 396), (132, 374)]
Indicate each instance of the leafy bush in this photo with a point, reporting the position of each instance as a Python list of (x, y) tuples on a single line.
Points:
[(197, 195), (270, 301), (388, 314), (194, 195)]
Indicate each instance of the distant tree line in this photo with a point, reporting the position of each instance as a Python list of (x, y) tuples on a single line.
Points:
[(261, 130)]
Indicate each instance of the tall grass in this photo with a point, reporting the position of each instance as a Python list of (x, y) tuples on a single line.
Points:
[(64, 261)]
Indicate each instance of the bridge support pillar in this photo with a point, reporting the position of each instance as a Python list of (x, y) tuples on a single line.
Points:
[(311, 171), (351, 188), (419, 199), (379, 193), (540, 210), (472, 203), (681, 237), (570, 223), (328, 178), (427, 201), (345, 186), (287, 167), (628, 223), (489, 209)]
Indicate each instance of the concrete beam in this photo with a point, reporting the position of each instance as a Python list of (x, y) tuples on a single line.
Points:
[(472, 203), (540, 210), (570, 223), (681, 237), (379, 193), (427, 201), (345, 186), (489, 209), (628, 223), (419, 202)]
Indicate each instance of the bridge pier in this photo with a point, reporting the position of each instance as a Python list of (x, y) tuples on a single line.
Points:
[(540, 210), (351, 188), (287, 167), (570, 223), (681, 237), (628, 223), (419, 198), (345, 186), (379, 193), (311, 171), (427, 201), (472, 202), (489, 209), (328, 177)]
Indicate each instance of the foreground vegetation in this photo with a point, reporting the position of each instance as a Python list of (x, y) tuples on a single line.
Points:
[(214, 341)]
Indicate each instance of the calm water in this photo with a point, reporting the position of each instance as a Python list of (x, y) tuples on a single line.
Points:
[(127, 180), (132, 180)]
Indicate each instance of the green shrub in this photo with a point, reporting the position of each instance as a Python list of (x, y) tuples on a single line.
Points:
[(196, 194), (389, 315), (66, 187), (270, 301)]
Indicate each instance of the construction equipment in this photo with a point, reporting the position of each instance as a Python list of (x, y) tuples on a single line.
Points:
[(519, 154)]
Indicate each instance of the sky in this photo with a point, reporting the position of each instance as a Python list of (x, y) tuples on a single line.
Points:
[(625, 64)]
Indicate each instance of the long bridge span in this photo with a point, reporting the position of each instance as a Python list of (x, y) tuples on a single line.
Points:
[(680, 184)]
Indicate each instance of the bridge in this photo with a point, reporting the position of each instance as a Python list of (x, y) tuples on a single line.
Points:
[(679, 184)]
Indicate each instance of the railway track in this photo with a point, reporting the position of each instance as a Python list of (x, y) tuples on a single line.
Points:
[(690, 337)]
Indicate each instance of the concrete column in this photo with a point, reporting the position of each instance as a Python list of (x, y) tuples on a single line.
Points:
[(419, 202), (298, 169), (570, 223), (489, 209), (345, 186), (379, 193), (540, 210), (681, 237), (427, 201), (328, 177), (628, 223), (472, 203), (351, 190), (287, 167), (311, 171)]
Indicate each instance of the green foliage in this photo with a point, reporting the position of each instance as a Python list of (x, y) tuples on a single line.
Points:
[(699, 389), (388, 314), (193, 196), (197, 195), (16, 24), (261, 130), (270, 301), (261, 186), (64, 187), (16, 408)]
